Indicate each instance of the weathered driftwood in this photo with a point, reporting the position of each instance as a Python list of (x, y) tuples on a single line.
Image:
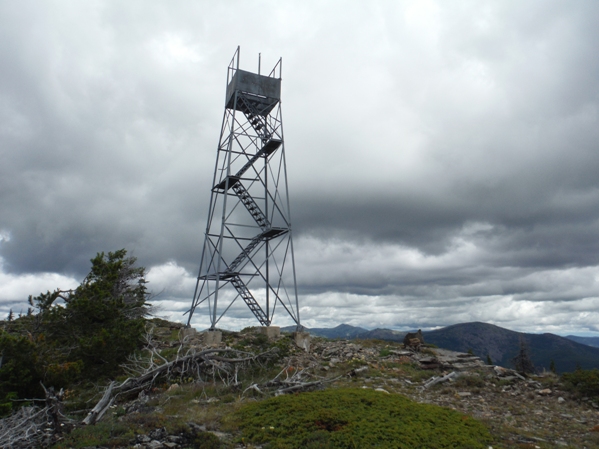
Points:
[(295, 385), (100, 408), (401, 353), (189, 365), (55, 407), (299, 386), (23, 429), (252, 387), (34, 426), (295, 381), (357, 371), (436, 380), (506, 372)]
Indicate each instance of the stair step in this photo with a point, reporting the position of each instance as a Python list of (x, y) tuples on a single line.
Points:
[(251, 302), (251, 206)]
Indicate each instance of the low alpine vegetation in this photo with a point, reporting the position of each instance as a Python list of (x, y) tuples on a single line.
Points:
[(356, 418), (585, 382)]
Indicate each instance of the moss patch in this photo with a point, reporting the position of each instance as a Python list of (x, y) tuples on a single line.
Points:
[(356, 418)]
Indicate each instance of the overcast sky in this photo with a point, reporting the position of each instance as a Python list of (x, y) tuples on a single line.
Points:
[(443, 156)]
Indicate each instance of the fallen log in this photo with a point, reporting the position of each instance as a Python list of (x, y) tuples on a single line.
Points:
[(436, 380), (185, 366), (298, 387), (302, 386), (98, 411)]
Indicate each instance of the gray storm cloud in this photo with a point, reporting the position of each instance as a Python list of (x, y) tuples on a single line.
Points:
[(442, 157)]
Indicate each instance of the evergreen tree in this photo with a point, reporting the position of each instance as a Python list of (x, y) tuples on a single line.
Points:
[(19, 373), (78, 334), (522, 361)]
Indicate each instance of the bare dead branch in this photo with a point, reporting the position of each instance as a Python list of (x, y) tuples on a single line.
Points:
[(190, 365), (435, 380), (34, 426)]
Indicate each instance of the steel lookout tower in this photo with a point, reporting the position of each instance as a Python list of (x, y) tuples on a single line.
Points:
[(248, 246)]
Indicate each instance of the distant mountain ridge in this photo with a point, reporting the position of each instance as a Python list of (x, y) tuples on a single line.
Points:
[(341, 331), (589, 341), (484, 339), (352, 332), (502, 345)]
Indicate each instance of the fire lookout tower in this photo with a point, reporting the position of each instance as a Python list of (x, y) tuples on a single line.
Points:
[(248, 247)]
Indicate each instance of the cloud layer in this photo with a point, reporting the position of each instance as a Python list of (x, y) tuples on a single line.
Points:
[(442, 157)]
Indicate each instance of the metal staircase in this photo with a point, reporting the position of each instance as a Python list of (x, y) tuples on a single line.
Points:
[(247, 251), (251, 302), (251, 205)]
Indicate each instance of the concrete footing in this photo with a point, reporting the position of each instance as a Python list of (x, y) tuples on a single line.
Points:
[(188, 332), (302, 340), (212, 337), (270, 331)]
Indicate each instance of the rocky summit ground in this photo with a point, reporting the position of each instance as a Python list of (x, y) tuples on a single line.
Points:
[(521, 412), (532, 411)]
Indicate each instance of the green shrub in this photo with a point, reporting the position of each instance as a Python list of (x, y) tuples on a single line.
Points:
[(384, 352), (585, 382), (201, 440), (75, 335), (283, 346), (146, 421), (169, 353), (19, 373), (104, 315), (357, 418), (6, 403), (103, 434), (414, 373), (253, 341)]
